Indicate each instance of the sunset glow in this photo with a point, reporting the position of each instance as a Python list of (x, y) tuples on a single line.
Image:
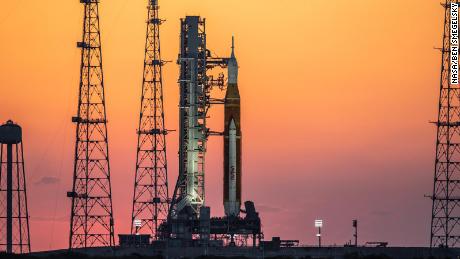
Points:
[(336, 97)]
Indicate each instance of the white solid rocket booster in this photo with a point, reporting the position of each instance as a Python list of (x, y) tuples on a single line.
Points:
[(232, 203)]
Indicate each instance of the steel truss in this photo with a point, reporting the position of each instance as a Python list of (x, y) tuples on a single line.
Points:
[(445, 220), (91, 222), (151, 199), (193, 107), (195, 100)]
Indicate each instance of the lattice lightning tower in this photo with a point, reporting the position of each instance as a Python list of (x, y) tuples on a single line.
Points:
[(445, 221), (150, 202), (91, 221)]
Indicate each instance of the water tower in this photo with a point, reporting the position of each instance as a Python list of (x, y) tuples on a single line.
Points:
[(14, 217)]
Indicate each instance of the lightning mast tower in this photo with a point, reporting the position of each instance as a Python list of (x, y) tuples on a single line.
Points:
[(150, 201), (445, 220), (91, 220), (14, 216)]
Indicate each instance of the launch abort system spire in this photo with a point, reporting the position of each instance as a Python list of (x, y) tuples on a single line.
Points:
[(14, 216), (150, 202), (445, 217), (91, 220)]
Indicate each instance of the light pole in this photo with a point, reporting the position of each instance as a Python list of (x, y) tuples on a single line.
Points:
[(319, 225), (137, 224)]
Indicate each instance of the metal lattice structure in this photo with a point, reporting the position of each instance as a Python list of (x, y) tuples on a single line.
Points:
[(195, 85), (150, 201), (14, 216), (91, 222), (193, 107), (445, 221)]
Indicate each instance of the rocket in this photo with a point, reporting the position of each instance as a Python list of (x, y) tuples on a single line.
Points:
[(232, 141)]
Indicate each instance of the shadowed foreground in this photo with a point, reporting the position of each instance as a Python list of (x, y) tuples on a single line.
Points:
[(239, 252)]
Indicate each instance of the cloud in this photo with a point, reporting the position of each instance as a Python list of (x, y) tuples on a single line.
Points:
[(47, 180)]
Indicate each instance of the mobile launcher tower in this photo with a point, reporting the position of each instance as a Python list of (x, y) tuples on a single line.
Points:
[(189, 221)]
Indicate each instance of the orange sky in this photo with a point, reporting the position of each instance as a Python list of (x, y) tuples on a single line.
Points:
[(336, 99)]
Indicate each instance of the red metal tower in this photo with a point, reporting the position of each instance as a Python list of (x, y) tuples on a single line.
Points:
[(150, 200), (14, 216), (91, 222), (445, 221)]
